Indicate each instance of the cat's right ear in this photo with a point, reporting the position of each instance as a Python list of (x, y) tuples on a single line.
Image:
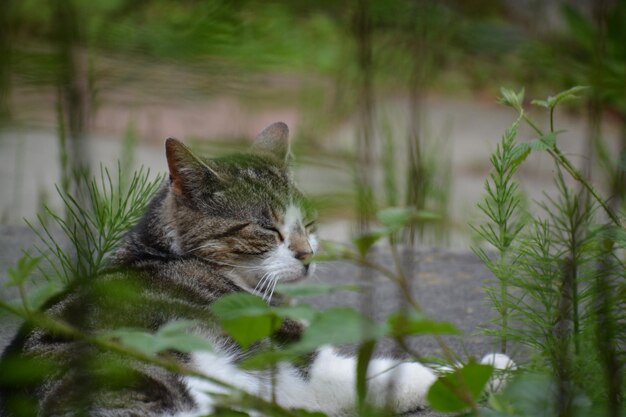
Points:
[(186, 170), (274, 141)]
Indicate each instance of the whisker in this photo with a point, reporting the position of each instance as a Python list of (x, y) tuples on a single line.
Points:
[(269, 299), (261, 283), (267, 286)]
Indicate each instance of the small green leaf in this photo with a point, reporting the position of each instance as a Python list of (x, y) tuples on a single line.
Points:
[(136, 339), (246, 317), (364, 242), (512, 99), (23, 269), (265, 358), (545, 142), (336, 326), (297, 312), (395, 218), (247, 330), (566, 95), (417, 323), (182, 343), (228, 412), (332, 251), (306, 413), (171, 336), (364, 356), (541, 103), (239, 305), (519, 153), (38, 296), (458, 390), (177, 327), (304, 289)]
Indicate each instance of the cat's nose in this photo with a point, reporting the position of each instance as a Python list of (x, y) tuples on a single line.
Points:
[(304, 257)]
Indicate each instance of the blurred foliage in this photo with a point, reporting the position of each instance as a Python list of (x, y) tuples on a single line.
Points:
[(305, 54)]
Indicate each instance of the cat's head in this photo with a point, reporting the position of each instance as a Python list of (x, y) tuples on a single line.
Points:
[(243, 212)]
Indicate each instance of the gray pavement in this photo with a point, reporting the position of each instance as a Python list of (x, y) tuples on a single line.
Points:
[(447, 284)]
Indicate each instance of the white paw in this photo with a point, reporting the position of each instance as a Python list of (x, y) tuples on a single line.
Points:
[(502, 364), (410, 383)]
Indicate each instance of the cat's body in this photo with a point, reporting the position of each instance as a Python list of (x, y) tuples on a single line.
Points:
[(216, 227)]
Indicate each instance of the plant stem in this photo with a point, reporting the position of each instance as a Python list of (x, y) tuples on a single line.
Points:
[(562, 160)]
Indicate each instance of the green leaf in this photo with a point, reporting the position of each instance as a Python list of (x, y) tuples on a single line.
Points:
[(566, 95), (177, 327), (173, 335), (337, 326), (23, 269), (541, 103), (395, 218), (332, 251), (247, 330), (364, 242), (227, 412), (185, 343), (38, 296), (246, 317), (364, 356), (458, 390), (519, 153), (136, 339), (512, 99), (265, 358), (239, 305), (527, 395), (297, 312), (417, 323), (304, 289), (545, 142)]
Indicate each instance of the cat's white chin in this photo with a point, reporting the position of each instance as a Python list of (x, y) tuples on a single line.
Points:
[(298, 276)]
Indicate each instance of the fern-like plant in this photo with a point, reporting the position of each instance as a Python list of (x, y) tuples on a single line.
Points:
[(94, 223)]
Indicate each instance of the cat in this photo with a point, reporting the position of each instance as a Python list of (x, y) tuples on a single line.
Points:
[(215, 227)]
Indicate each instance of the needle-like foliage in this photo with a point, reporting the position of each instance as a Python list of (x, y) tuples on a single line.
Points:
[(95, 222)]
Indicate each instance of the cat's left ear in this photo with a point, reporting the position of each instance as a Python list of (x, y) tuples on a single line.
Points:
[(274, 141)]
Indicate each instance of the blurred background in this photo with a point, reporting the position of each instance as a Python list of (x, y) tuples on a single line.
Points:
[(389, 102)]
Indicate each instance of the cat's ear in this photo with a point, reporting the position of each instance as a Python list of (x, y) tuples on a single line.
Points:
[(186, 170), (274, 141)]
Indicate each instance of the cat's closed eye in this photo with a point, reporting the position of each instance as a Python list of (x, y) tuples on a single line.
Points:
[(274, 230)]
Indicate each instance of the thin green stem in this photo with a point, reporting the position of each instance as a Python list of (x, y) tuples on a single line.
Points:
[(22, 291), (531, 123), (562, 160)]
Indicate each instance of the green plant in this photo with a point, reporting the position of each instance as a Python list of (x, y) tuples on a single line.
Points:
[(95, 222), (562, 275), (503, 207)]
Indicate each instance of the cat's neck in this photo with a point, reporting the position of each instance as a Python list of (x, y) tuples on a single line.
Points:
[(154, 236)]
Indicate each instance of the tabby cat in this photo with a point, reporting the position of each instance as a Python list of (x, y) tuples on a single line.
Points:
[(216, 227)]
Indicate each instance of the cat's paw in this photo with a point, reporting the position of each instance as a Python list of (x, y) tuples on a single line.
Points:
[(502, 364), (407, 386)]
